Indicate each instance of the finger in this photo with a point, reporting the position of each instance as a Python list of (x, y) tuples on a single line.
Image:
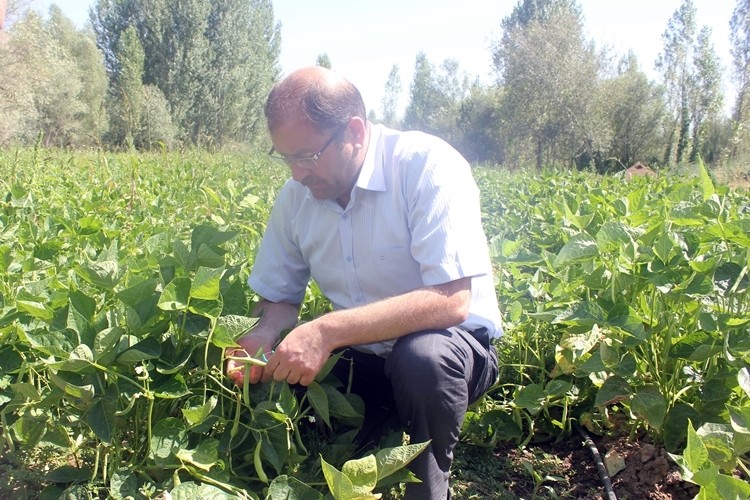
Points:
[(256, 374), (306, 380)]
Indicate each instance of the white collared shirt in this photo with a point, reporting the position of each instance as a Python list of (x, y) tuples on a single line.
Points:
[(413, 220)]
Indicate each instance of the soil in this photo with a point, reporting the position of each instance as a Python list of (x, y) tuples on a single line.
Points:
[(568, 470), (564, 469)]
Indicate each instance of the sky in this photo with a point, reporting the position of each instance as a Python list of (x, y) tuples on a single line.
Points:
[(363, 40)]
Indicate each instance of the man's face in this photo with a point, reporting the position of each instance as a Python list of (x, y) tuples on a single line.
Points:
[(326, 163)]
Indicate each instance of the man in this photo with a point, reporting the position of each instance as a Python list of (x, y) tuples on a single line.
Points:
[(388, 225)]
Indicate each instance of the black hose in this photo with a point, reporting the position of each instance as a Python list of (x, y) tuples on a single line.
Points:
[(600, 467)]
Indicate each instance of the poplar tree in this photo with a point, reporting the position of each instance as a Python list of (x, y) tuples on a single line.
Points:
[(549, 74), (214, 62), (739, 36), (389, 103)]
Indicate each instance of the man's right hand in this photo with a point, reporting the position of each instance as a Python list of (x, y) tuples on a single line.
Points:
[(251, 346)]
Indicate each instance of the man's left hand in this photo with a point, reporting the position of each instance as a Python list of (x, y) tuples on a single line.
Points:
[(299, 357)]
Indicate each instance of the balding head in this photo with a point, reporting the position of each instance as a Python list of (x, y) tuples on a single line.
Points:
[(315, 94)]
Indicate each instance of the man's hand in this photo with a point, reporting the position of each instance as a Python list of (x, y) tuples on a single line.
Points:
[(251, 346), (299, 357)]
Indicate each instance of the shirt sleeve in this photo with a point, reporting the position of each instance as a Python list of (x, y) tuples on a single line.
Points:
[(448, 239), (280, 272)]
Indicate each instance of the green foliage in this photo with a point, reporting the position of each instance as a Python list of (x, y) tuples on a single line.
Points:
[(213, 62), (626, 304), (636, 111), (549, 75), (123, 280), (434, 97), (38, 55)]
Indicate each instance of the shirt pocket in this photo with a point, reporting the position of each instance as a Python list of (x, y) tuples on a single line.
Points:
[(395, 269)]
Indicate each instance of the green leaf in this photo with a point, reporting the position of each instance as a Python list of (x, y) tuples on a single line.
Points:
[(328, 366), (35, 309), (347, 408), (69, 474), (706, 184), (190, 491), (580, 247), (138, 292), (58, 343), (100, 274), (695, 453), (731, 487), (319, 401), (176, 295), (531, 397), (81, 314), (391, 460), (614, 390), (106, 341), (719, 442), (611, 235), (204, 456), (649, 404), (197, 415), (83, 392), (208, 257), (123, 484), (206, 283), (101, 417), (730, 278), (171, 386), (290, 488), (663, 247), (167, 438), (29, 430), (147, 348), (675, 425), (363, 473), (341, 486), (80, 359), (696, 346), (209, 235), (743, 378), (229, 328), (207, 308)]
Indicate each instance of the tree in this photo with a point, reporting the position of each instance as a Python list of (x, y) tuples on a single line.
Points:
[(127, 91), (636, 113), (706, 96), (739, 36), (481, 126), (419, 113), (390, 97), (434, 98), (323, 61), (550, 76), (692, 77), (213, 61), (37, 57), (674, 64)]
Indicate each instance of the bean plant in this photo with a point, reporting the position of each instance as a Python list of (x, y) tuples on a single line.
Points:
[(123, 282)]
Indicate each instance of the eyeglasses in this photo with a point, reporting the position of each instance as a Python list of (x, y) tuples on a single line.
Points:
[(305, 162)]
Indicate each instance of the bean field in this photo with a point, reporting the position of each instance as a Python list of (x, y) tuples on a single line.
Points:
[(123, 278)]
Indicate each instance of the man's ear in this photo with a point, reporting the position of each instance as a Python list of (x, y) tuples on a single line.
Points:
[(357, 129)]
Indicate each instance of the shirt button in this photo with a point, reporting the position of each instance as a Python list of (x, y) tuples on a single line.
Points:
[(348, 258)]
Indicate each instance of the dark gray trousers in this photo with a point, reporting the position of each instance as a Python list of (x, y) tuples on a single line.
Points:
[(430, 378)]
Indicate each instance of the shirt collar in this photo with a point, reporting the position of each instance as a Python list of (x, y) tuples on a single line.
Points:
[(371, 175)]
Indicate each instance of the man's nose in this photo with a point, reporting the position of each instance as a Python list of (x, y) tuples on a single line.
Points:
[(298, 174)]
